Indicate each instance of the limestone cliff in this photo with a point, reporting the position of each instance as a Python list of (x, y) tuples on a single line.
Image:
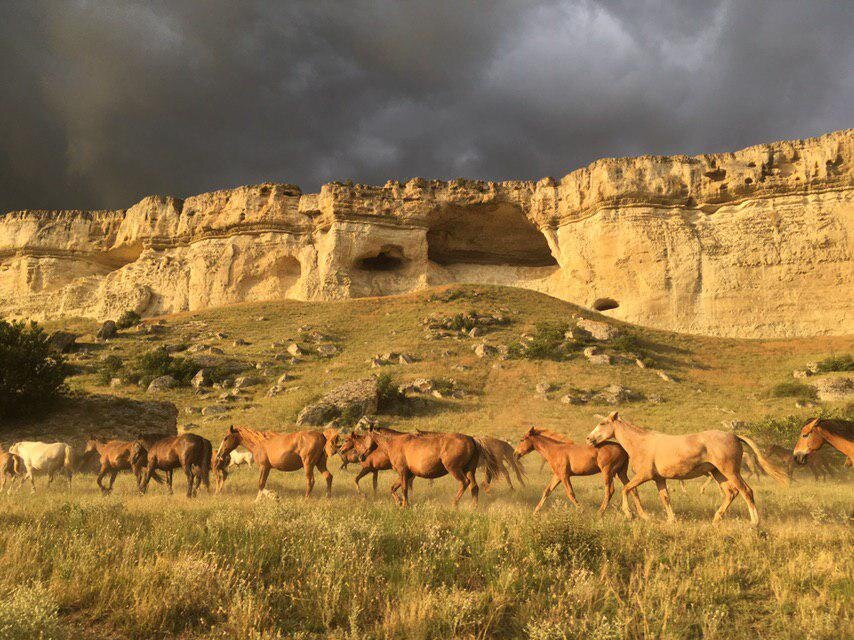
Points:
[(752, 243)]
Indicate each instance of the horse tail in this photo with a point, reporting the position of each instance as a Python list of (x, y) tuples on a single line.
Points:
[(70, 463), (207, 458), (493, 466), (18, 466), (767, 466), (517, 466)]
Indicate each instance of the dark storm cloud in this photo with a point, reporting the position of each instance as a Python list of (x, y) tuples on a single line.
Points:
[(105, 102)]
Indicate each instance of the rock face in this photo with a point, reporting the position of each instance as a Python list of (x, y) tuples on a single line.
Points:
[(356, 398), (751, 243)]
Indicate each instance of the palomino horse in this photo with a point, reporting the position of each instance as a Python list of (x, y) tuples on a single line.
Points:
[(660, 457), (115, 456), (839, 434), (41, 458), (281, 451), (11, 469), (568, 459), (189, 451), (431, 455)]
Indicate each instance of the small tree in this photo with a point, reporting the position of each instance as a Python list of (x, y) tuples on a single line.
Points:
[(32, 374), (128, 319)]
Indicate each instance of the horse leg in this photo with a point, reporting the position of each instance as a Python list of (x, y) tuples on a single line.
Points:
[(729, 493), (362, 473), (101, 475), (327, 476), (400, 484), (747, 493), (664, 496), (567, 485), (624, 478), (553, 483), (475, 490), (506, 475), (262, 477), (374, 481), (32, 480), (113, 475), (168, 475), (309, 477), (608, 478), (464, 484), (191, 480), (630, 487)]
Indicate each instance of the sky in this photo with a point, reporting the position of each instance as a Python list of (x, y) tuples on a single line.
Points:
[(107, 102)]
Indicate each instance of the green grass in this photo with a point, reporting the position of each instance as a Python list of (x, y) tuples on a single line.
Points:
[(130, 566), (127, 566)]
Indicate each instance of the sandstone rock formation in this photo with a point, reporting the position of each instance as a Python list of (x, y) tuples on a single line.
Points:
[(751, 243)]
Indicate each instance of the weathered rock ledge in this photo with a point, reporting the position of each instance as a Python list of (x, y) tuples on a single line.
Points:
[(751, 243)]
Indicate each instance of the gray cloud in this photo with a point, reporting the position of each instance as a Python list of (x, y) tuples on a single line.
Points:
[(107, 102)]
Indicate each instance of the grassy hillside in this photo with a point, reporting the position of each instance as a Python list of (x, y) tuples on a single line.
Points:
[(75, 564)]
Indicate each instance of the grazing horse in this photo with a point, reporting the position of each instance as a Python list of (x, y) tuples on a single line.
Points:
[(220, 467), (839, 434), (45, 459), (431, 455), (281, 451), (568, 459), (188, 451), (660, 457), (115, 456), (11, 469)]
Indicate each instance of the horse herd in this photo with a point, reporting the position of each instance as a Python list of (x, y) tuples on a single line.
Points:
[(611, 449)]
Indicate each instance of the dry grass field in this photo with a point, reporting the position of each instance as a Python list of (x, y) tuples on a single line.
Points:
[(75, 564)]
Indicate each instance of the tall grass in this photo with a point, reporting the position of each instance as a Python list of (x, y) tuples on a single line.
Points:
[(224, 567)]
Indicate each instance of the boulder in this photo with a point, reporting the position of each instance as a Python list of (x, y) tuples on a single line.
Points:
[(282, 379), (62, 341), (571, 398), (295, 350), (615, 394), (664, 375), (326, 350), (213, 409), (241, 382), (162, 383), (599, 330), (599, 359), (108, 330), (483, 350), (201, 379), (354, 398), (543, 388), (405, 358)]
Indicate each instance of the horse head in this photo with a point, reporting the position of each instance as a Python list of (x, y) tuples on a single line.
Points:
[(526, 444), (810, 440), (604, 430), (229, 443)]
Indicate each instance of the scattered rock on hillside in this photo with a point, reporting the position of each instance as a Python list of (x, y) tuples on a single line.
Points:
[(201, 379), (241, 382), (108, 330), (594, 356), (572, 398), (354, 398), (162, 383), (213, 409), (834, 388), (616, 394), (326, 350), (543, 388), (295, 350), (483, 350), (599, 330), (405, 358)]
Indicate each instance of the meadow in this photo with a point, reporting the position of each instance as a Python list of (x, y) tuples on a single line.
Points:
[(75, 564)]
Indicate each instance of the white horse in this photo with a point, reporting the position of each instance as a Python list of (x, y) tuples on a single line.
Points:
[(238, 458), (41, 458)]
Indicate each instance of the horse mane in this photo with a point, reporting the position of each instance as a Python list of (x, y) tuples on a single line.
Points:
[(254, 437), (552, 435), (838, 427)]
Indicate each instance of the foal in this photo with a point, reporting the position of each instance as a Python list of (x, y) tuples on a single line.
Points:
[(115, 456)]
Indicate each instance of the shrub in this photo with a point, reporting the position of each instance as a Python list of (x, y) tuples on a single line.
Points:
[(794, 390), (388, 395), (836, 363), (31, 373), (128, 319), (28, 612), (108, 369), (159, 362), (549, 343)]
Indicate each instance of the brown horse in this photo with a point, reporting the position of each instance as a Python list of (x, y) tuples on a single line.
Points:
[(376, 461), (505, 456), (568, 459), (659, 457), (115, 456), (11, 469), (839, 434), (188, 451), (431, 455), (281, 451)]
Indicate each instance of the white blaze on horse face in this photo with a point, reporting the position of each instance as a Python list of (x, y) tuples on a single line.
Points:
[(601, 432)]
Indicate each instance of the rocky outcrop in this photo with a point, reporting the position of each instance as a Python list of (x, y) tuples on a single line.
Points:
[(751, 243)]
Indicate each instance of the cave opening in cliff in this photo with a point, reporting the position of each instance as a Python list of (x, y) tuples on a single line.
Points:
[(495, 234), (389, 258), (605, 304)]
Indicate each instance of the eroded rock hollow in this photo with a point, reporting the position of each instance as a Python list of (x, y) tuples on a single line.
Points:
[(752, 243)]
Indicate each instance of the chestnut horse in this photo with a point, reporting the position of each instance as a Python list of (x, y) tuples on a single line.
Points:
[(660, 457), (568, 459), (115, 456), (11, 469), (839, 434), (281, 451), (376, 461), (431, 455), (505, 456), (188, 451)]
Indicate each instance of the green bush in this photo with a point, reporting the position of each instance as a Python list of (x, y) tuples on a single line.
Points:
[(388, 395), (32, 374), (794, 390), (775, 430), (108, 369), (549, 343), (128, 319), (159, 362), (836, 363)]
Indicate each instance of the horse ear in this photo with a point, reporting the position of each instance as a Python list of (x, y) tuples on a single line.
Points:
[(231, 429), (810, 425), (613, 415)]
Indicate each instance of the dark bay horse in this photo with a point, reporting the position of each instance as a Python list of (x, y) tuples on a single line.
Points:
[(187, 451), (568, 459), (431, 455), (281, 451)]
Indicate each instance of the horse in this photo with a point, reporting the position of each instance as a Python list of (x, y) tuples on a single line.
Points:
[(376, 461), (504, 454), (115, 456), (281, 451), (12, 469), (568, 459), (660, 457), (819, 463), (839, 434), (45, 459), (431, 455), (188, 451), (220, 467)]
